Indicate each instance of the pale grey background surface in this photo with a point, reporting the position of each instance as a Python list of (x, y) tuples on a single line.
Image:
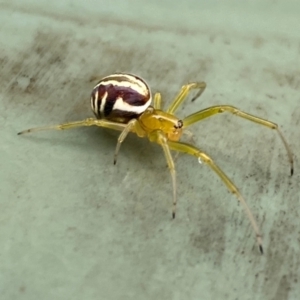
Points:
[(73, 226)]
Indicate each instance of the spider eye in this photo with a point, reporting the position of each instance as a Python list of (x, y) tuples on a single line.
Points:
[(179, 124)]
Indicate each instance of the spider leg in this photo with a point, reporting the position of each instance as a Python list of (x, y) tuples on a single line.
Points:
[(86, 122), (189, 149), (183, 93), (160, 138), (131, 126), (213, 110), (190, 138), (157, 101)]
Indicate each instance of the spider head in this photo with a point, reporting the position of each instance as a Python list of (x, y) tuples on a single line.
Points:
[(175, 133), (153, 119)]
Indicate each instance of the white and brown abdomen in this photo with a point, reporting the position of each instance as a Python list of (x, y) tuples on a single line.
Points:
[(120, 97)]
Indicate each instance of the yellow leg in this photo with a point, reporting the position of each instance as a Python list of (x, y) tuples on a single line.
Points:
[(213, 110), (190, 139), (131, 126), (86, 122), (189, 149), (157, 101), (160, 138), (185, 90)]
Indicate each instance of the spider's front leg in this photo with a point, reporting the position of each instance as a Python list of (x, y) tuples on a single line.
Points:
[(183, 93), (214, 110), (189, 149)]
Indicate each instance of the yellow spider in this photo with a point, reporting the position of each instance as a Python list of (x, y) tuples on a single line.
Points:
[(122, 102)]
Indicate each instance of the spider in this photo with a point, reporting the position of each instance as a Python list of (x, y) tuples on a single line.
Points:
[(122, 102)]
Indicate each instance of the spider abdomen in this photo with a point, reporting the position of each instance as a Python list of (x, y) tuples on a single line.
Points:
[(120, 97)]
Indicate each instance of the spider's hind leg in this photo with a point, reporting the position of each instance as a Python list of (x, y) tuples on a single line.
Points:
[(131, 126), (75, 124), (157, 101)]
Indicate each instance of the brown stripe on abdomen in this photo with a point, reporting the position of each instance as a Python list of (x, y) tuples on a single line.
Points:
[(120, 96)]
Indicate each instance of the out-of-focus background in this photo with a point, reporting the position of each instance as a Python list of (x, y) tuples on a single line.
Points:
[(74, 226)]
